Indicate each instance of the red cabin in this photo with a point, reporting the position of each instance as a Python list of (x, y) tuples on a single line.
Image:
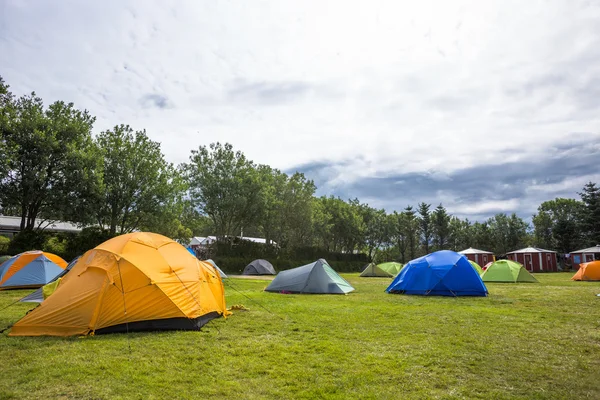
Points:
[(585, 255), (534, 259), (481, 257)]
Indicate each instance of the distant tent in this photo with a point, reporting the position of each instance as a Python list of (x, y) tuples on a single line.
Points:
[(317, 277), (259, 267), (38, 295), (31, 269), (476, 266), (486, 266), (443, 273), (192, 252), (589, 271), (391, 267), (4, 258), (507, 271), (372, 270), (219, 270)]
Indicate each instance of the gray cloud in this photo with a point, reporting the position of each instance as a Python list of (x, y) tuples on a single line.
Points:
[(154, 100), (268, 92), (514, 186)]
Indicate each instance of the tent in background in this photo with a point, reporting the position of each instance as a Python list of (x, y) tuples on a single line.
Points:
[(4, 258), (219, 270), (372, 270), (589, 271), (316, 278), (259, 267), (476, 266), (38, 295), (507, 271), (443, 273), (391, 267), (134, 282), (31, 269)]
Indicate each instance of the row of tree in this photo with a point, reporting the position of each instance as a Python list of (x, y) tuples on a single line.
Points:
[(52, 167)]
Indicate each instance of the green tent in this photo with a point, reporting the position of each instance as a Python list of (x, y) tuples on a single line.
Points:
[(372, 270), (476, 267), (506, 271), (4, 258), (391, 267)]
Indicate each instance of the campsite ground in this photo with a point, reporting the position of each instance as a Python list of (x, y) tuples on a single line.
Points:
[(523, 341)]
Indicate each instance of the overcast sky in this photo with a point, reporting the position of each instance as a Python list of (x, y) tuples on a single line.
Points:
[(484, 106)]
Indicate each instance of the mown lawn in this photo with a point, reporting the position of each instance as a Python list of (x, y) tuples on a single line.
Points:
[(539, 341)]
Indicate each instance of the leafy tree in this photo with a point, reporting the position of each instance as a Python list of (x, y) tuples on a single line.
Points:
[(461, 234), (342, 227), (375, 228), (441, 227), (198, 223), (7, 115), (508, 233), (137, 186), (411, 231), (590, 214), (556, 224), (398, 233), (425, 226), (224, 185), (285, 212), (296, 211), (483, 237), (322, 224), (170, 218), (42, 153), (543, 225), (272, 187)]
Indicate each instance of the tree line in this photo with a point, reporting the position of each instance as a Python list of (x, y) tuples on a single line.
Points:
[(53, 167)]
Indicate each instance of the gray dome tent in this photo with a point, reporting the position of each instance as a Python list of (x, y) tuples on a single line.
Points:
[(317, 278), (259, 267)]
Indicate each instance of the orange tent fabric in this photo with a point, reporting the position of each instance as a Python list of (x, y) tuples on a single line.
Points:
[(21, 260), (589, 271), (139, 281)]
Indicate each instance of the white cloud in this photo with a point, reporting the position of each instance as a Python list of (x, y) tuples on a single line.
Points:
[(378, 87)]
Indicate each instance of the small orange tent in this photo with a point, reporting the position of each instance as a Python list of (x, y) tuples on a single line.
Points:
[(589, 271), (134, 282)]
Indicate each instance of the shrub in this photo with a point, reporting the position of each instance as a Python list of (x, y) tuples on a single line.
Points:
[(86, 240), (27, 240), (4, 244), (56, 245)]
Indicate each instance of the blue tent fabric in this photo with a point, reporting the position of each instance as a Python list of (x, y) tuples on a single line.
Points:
[(38, 272), (443, 273), (38, 295), (192, 252)]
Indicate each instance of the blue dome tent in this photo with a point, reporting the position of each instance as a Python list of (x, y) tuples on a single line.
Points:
[(443, 273)]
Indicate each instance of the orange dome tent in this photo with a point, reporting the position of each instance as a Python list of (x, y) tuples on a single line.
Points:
[(31, 269), (134, 282), (589, 271)]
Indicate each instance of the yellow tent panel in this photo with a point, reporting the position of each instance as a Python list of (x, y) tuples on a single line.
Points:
[(138, 281)]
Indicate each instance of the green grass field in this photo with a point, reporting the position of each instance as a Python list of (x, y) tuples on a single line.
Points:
[(539, 341)]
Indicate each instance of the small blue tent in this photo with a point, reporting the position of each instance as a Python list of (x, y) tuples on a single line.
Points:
[(30, 269), (38, 295), (443, 273)]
